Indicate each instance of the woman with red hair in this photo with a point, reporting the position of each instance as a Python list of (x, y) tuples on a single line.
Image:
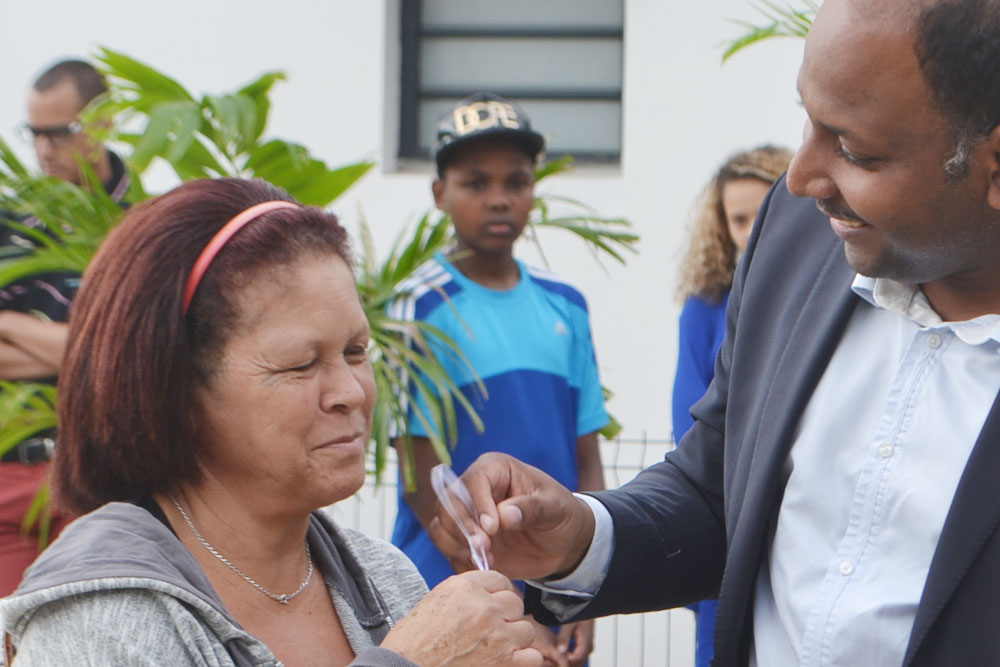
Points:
[(216, 394)]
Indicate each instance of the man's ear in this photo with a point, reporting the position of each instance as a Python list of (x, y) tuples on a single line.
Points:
[(993, 164), (437, 189)]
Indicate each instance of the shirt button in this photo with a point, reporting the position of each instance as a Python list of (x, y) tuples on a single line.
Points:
[(885, 451), (846, 568), (934, 341)]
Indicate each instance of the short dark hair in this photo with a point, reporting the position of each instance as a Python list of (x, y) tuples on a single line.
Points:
[(86, 79), (958, 46), (129, 422)]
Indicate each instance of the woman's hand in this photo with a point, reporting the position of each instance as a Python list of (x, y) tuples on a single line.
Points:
[(569, 648), (581, 634), (475, 618), (547, 645)]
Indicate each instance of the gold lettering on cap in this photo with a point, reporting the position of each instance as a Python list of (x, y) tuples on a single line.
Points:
[(466, 118), (506, 115), (484, 115)]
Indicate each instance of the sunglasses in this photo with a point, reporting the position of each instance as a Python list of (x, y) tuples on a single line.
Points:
[(58, 135)]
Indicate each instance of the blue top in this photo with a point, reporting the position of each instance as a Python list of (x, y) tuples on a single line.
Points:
[(531, 347), (702, 328)]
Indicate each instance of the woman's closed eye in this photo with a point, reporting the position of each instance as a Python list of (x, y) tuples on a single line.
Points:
[(359, 352), (301, 368)]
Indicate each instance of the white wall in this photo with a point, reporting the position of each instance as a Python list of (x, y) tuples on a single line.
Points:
[(684, 113)]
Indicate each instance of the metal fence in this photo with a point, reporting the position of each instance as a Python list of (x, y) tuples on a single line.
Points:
[(660, 639)]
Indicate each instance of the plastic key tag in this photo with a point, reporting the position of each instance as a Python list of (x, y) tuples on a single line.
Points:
[(456, 500)]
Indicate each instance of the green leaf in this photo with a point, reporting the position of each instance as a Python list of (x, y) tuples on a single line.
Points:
[(182, 135), (41, 261), (309, 180), (26, 408), (782, 21), (235, 121), (601, 235), (612, 429), (258, 91), (199, 162), (39, 511), (127, 71), (164, 120), (328, 184), (557, 166), (10, 161), (74, 221), (39, 237)]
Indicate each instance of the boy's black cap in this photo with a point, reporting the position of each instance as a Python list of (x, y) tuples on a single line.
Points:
[(483, 115)]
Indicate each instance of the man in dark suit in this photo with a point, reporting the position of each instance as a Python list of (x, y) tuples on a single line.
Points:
[(839, 489)]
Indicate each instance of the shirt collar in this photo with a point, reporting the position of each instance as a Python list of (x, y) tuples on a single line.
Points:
[(910, 302)]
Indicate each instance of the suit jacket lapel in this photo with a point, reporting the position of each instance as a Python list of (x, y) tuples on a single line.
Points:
[(812, 339), (972, 519), (809, 347)]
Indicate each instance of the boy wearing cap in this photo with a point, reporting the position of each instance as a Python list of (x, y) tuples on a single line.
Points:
[(524, 331)]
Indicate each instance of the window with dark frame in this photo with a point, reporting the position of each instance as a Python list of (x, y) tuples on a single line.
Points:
[(561, 60)]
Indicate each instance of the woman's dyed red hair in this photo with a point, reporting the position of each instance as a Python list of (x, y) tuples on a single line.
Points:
[(128, 414)]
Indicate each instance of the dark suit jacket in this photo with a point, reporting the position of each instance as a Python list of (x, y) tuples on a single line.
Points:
[(706, 515)]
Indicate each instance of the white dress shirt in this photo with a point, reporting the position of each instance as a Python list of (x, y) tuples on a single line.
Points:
[(877, 458), (876, 461)]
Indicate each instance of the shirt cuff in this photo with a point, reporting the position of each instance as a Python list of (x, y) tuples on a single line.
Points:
[(586, 579)]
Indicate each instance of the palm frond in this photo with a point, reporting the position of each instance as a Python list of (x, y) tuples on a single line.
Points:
[(68, 222), (408, 357), (557, 166), (40, 512), (602, 236), (26, 409), (781, 21)]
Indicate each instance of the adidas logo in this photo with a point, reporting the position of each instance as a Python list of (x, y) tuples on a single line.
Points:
[(561, 329)]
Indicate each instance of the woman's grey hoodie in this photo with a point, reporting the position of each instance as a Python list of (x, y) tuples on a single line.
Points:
[(118, 587)]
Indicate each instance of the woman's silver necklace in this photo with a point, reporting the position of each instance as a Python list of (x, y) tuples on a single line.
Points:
[(282, 599)]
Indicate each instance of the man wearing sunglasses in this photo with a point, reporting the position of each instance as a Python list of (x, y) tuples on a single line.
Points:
[(34, 310), (55, 129)]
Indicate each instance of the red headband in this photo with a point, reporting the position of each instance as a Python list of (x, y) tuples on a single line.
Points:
[(220, 239)]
